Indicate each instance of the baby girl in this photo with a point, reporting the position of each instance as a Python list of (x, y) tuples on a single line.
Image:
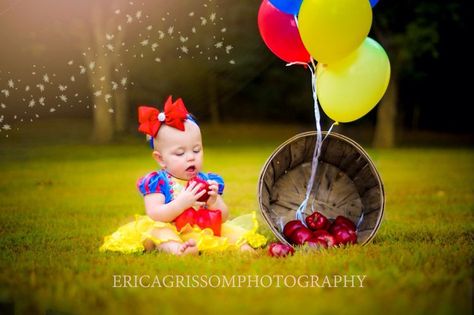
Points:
[(183, 215)]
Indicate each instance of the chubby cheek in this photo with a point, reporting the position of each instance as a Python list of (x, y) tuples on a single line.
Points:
[(199, 160), (171, 162), (178, 162)]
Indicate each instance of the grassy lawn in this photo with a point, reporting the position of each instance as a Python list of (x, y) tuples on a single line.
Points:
[(59, 197)]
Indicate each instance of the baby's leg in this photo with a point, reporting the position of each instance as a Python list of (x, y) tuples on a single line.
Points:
[(174, 245)]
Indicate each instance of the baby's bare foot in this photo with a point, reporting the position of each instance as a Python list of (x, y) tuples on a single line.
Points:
[(189, 247), (247, 248), (177, 248)]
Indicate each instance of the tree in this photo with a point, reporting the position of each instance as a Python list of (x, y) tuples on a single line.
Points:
[(99, 66), (408, 31), (211, 64), (102, 59)]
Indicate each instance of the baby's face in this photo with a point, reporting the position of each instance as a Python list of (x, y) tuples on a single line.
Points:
[(180, 152)]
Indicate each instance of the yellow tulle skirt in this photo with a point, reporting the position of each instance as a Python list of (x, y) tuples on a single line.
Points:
[(129, 238)]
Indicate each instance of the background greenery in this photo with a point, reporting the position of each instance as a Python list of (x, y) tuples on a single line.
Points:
[(425, 41), (59, 196)]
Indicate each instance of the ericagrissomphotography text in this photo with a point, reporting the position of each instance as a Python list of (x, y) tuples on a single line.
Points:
[(238, 281)]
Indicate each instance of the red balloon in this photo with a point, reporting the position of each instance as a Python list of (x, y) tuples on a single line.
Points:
[(280, 33)]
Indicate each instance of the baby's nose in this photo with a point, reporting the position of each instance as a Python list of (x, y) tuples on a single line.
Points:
[(190, 156)]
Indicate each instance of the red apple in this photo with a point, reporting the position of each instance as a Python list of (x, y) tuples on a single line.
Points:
[(290, 227), (320, 233), (324, 236), (317, 242), (301, 235), (343, 236), (343, 221), (280, 250), (204, 186), (317, 221)]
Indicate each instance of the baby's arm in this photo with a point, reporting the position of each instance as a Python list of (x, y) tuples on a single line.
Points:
[(158, 210), (215, 201)]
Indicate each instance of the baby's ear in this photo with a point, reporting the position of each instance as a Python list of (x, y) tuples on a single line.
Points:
[(158, 158)]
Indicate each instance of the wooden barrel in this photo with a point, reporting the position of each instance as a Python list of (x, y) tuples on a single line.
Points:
[(346, 183)]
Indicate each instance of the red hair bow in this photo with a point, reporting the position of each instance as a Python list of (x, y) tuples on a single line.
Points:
[(150, 118)]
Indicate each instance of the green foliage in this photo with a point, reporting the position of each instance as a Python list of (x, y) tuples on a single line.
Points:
[(59, 199), (411, 30)]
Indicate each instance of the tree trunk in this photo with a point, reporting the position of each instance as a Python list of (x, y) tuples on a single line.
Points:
[(121, 105), (213, 98), (415, 121), (99, 78), (121, 110), (212, 83), (384, 136), (109, 107), (103, 130)]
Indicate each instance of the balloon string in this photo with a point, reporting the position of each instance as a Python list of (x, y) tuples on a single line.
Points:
[(318, 146), (317, 149), (330, 129), (298, 63)]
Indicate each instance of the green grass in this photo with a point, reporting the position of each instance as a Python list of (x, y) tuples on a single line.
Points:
[(58, 198)]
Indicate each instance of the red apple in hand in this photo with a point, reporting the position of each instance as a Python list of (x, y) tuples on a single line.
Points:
[(301, 235), (290, 227), (317, 221), (344, 235), (280, 250), (324, 236), (204, 186)]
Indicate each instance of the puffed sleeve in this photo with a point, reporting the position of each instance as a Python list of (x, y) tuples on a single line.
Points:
[(150, 183), (219, 180)]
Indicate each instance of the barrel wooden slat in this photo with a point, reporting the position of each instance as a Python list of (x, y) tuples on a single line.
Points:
[(369, 222), (362, 236), (269, 178), (347, 183), (297, 153), (266, 197), (364, 180), (371, 199)]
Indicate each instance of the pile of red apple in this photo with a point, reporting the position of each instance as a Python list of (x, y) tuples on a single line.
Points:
[(320, 232)]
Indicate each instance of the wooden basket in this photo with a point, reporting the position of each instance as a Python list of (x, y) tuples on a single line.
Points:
[(346, 183)]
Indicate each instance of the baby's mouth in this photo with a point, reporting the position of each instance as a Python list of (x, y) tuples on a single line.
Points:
[(191, 168)]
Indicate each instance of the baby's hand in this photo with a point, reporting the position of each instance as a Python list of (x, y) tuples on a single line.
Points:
[(213, 189), (189, 195)]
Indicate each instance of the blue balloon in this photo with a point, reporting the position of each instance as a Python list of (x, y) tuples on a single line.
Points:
[(373, 2), (291, 6)]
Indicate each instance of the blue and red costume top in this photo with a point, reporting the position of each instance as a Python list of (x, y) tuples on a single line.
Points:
[(161, 182)]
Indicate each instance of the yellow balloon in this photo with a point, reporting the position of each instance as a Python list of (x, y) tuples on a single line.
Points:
[(332, 29), (350, 88)]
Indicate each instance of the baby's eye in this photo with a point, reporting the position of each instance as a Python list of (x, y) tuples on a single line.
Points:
[(179, 153), (197, 150)]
